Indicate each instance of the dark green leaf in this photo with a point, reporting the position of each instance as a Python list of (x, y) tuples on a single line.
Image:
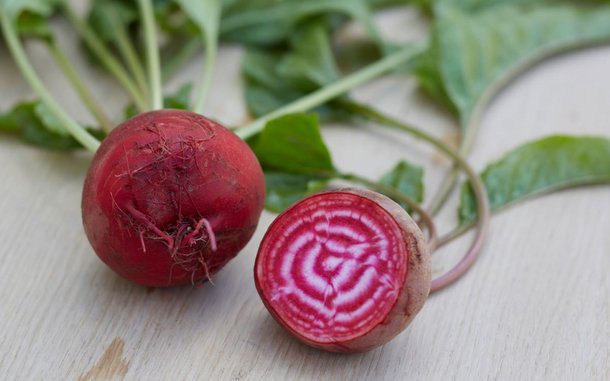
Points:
[(475, 51), (539, 167), (293, 144), (205, 14), (31, 25), (428, 74), (353, 54), (470, 6), (14, 8), (311, 63), (25, 121), (49, 120), (181, 99), (275, 79), (130, 111), (284, 189), (106, 16), (268, 22), (407, 179)]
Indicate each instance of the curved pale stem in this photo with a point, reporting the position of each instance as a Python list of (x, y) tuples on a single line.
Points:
[(106, 58), (480, 193), (152, 53), (335, 89), (16, 48), (80, 87)]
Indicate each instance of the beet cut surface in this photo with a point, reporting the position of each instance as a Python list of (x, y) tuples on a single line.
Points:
[(343, 270)]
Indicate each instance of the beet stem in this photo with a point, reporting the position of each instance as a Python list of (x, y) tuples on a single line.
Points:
[(483, 209), (106, 58), (9, 28), (152, 53), (335, 89)]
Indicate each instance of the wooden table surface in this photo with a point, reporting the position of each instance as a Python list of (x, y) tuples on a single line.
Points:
[(536, 306)]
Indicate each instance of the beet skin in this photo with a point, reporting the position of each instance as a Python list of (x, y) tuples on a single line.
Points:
[(171, 197)]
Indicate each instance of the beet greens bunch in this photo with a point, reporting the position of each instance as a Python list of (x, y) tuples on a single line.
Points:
[(299, 73)]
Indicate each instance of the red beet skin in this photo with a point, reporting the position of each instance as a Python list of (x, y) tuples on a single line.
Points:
[(343, 271), (171, 197)]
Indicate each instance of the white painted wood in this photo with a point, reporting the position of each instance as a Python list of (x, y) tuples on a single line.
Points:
[(536, 306)]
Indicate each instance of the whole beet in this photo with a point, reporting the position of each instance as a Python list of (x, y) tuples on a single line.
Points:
[(171, 197)]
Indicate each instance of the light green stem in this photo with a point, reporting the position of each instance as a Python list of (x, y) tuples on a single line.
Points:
[(14, 45), (334, 90), (152, 53), (473, 121), (106, 58), (131, 57), (211, 48), (206, 80), (80, 87)]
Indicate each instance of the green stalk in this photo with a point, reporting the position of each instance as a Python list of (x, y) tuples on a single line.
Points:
[(16, 49), (335, 89), (129, 54), (106, 58), (211, 48), (80, 87), (473, 122), (152, 53), (206, 80), (478, 187)]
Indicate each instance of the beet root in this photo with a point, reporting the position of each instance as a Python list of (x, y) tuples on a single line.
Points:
[(343, 271), (171, 197)]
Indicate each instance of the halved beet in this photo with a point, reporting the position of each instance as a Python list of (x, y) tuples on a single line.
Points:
[(344, 270)]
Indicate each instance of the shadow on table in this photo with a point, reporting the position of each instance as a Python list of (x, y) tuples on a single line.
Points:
[(291, 358)]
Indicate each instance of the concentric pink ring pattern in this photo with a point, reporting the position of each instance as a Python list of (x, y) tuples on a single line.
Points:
[(334, 268)]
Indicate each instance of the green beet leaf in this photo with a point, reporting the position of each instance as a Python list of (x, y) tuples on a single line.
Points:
[(284, 189), (474, 51), (269, 22), (31, 25), (107, 16), (407, 179), (30, 16), (32, 123), (180, 99), (14, 8), (540, 167), (441, 6), (205, 14), (293, 144), (275, 79)]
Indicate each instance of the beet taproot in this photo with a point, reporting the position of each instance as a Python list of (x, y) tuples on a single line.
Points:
[(343, 270), (171, 197)]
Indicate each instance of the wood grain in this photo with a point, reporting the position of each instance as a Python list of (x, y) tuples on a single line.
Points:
[(535, 307)]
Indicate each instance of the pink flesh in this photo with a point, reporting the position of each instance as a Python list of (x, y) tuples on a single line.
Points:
[(333, 267)]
